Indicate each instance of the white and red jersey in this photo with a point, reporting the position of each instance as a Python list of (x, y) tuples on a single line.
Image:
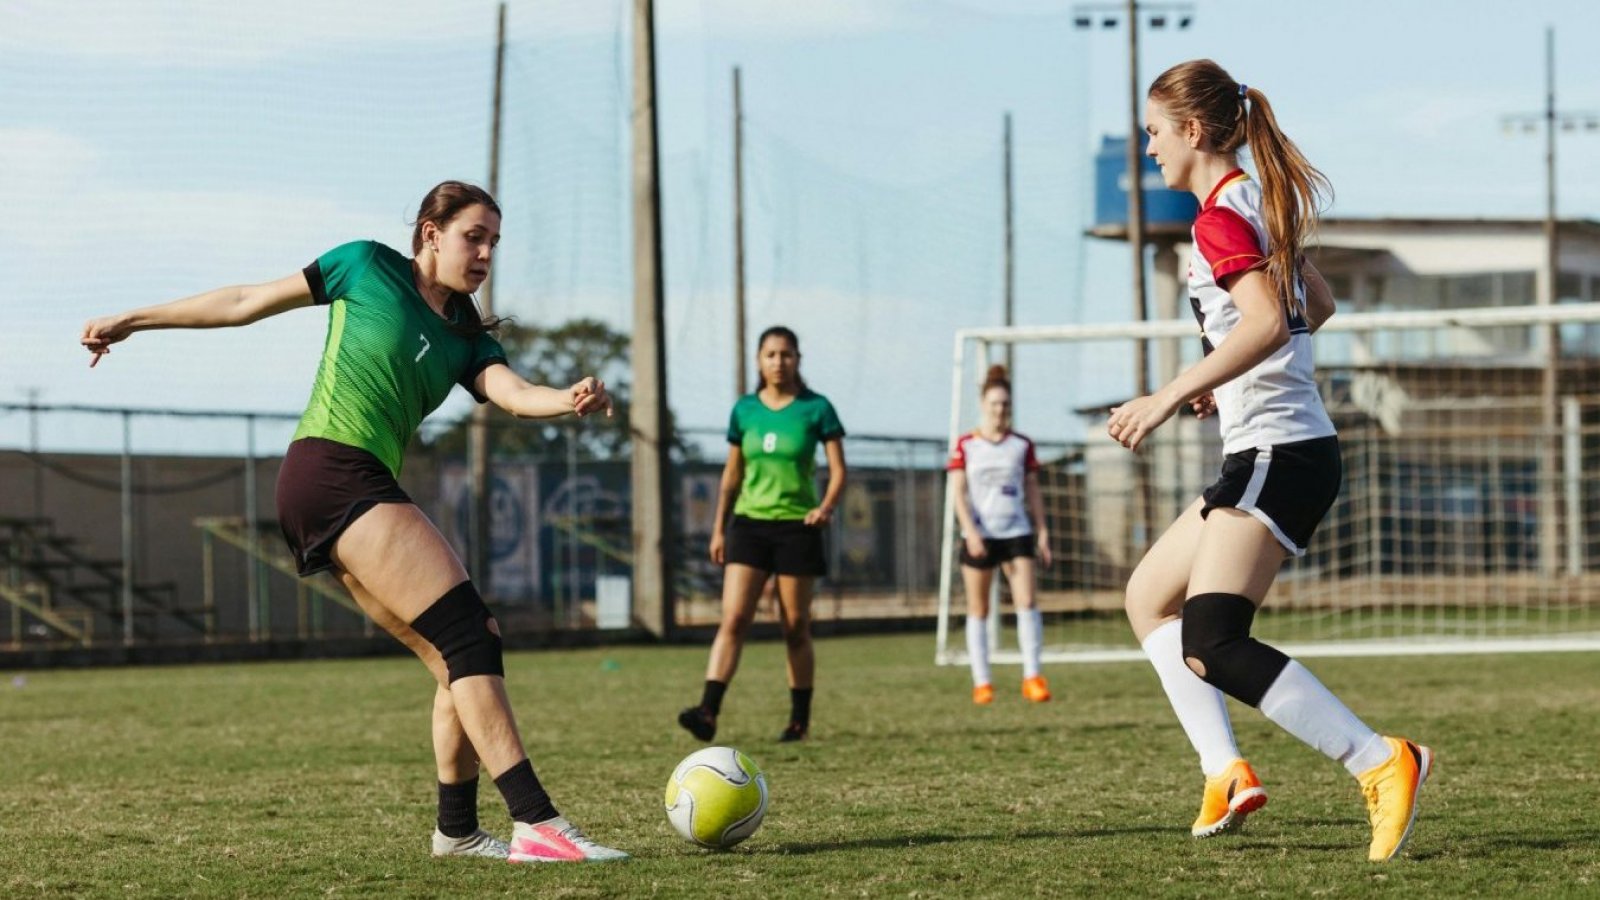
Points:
[(1277, 401), (996, 474)]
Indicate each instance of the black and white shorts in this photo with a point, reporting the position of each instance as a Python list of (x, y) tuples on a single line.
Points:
[(1000, 550), (1289, 487)]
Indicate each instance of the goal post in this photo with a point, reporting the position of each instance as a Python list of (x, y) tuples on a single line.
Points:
[(1464, 523)]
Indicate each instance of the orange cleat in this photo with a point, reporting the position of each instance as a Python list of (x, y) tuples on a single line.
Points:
[(1391, 791), (1229, 797), (983, 694), (1036, 689)]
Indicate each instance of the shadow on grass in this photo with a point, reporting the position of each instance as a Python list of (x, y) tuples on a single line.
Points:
[(909, 841), (1475, 845), (950, 729)]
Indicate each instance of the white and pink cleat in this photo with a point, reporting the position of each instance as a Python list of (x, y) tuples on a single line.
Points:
[(556, 840)]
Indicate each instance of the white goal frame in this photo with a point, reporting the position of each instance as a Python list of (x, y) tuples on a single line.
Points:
[(975, 344)]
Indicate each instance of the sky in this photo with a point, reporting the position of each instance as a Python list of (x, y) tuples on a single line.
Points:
[(152, 150)]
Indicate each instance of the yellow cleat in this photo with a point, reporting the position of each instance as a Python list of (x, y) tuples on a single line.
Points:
[(1036, 689), (1391, 791), (1229, 797), (983, 694)]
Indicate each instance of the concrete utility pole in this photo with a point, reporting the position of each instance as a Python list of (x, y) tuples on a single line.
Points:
[(1010, 244), (652, 584), (478, 430), (739, 332), (1550, 378)]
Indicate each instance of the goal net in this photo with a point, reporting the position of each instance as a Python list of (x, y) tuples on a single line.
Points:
[(1465, 522)]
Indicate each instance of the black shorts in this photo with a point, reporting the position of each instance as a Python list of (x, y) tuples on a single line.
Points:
[(780, 546), (323, 486), (999, 550), (1289, 487)]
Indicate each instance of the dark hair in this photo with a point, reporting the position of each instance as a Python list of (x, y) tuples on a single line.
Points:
[(777, 331), (997, 378), (440, 206), (1232, 115)]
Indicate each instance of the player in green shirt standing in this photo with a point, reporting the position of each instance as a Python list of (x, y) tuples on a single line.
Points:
[(769, 483), (401, 333)]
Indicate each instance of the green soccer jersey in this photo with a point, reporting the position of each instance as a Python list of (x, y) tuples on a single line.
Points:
[(780, 453), (389, 359)]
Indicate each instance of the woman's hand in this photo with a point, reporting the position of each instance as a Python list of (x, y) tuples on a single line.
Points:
[(717, 547), (1133, 421), (1042, 549), (821, 515), (975, 547), (99, 334), (589, 395), (1204, 405)]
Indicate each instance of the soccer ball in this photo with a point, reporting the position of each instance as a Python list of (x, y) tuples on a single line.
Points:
[(716, 797)]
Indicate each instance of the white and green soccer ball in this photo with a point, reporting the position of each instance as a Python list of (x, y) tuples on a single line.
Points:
[(716, 797)]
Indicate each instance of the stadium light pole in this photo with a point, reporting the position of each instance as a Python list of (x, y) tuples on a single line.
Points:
[(1549, 381), (1127, 14), (1110, 15)]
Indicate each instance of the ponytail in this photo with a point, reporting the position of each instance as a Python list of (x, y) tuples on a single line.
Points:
[(996, 378), (1292, 190)]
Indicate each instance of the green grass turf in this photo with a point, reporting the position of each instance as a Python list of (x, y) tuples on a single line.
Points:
[(316, 779)]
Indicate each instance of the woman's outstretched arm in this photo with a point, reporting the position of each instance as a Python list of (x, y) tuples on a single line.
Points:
[(224, 307)]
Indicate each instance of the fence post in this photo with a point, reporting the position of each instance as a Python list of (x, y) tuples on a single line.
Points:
[(1572, 470), (127, 528), (252, 590), (208, 575)]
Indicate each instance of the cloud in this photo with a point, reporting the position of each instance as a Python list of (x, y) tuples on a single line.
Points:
[(126, 229), (45, 160), (192, 33), (206, 34)]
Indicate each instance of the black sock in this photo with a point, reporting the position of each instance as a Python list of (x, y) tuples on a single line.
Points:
[(800, 706), (712, 698), (458, 808), (525, 797)]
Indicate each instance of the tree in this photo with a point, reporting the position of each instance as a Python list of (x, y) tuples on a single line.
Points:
[(558, 357)]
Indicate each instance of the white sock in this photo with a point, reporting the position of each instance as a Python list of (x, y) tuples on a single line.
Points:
[(1300, 705), (1030, 631), (978, 648), (1201, 708)]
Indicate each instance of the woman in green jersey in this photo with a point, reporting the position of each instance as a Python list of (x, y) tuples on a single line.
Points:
[(769, 484), (402, 331)]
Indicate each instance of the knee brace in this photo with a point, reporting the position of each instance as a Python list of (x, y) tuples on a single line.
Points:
[(1216, 634), (460, 626)]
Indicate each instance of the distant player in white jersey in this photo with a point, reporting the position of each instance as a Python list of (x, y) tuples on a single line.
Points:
[(994, 474), (1193, 597)]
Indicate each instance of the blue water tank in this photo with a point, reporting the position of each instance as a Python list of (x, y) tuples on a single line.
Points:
[(1164, 208)]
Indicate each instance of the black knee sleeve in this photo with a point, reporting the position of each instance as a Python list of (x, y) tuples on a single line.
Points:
[(1216, 633), (458, 625)]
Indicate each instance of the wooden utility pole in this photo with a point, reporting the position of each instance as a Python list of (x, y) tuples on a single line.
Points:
[(478, 431), (649, 422), (738, 240)]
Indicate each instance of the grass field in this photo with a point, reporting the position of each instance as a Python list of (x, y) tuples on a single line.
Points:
[(316, 779)]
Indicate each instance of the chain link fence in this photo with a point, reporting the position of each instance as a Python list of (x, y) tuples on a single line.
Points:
[(148, 527)]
